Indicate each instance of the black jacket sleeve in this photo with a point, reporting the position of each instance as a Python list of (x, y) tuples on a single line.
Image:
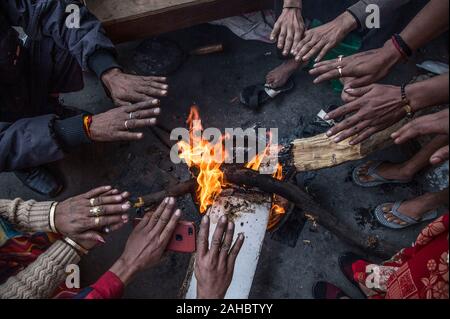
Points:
[(36, 141), (48, 18)]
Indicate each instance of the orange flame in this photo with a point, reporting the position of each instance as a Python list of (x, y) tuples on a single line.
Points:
[(207, 158)]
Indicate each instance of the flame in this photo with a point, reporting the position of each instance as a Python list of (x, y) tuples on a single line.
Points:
[(207, 158)]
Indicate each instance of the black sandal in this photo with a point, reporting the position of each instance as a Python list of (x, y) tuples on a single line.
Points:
[(256, 95)]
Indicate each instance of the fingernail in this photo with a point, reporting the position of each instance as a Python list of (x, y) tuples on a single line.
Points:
[(337, 140), (349, 90), (230, 226), (316, 60), (118, 198), (205, 219), (125, 194), (101, 240), (178, 213), (108, 188), (165, 87), (164, 92), (152, 121), (166, 201), (171, 201), (157, 111), (126, 206), (124, 217), (155, 102), (241, 235), (115, 191), (329, 133), (140, 135), (223, 219), (327, 117)]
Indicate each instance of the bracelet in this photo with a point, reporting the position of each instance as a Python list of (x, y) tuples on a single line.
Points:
[(402, 46), (74, 245), (407, 107), (292, 4), (52, 218), (87, 121)]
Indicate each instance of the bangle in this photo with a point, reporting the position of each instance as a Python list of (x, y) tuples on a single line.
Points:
[(407, 104), (52, 218), (87, 121), (81, 250)]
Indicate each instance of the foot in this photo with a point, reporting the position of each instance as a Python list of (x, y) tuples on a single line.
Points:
[(40, 180), (389, 171), (280, 75), (415, 208)]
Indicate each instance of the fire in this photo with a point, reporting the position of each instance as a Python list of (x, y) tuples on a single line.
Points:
[(207, 159)]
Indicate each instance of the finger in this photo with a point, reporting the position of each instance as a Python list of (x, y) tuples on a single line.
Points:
[(354, 130), (282, 38), (111, 199), (116, 209), (343, 110), (148, 103), (330, 75), (365, 135), (406, 133), (151, 91), (217, 237), (159, 211), (306, 48), (344, 125), (135, 97), (91, 236), (203, 237), (136, 124), (314, 51), (115, 227), (155, 79), (360, 82), (144, 222), (234, 253), (104, 221), (146, 113), (288, 44), (358, 91), (97, 192), (227, 242), (322, 64), (440, 156), (165, 217), (168, 231), (276, 31), (129, 136), (301, 44), (297, 39)]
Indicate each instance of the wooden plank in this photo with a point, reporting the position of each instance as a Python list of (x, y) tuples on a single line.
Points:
[(137, 19)]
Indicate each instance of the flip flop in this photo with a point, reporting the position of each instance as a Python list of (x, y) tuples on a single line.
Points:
[(379, 214), (324, 290), (256, 95), (378, 180)]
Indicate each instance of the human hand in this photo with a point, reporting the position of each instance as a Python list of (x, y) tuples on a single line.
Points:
[(319, 41), (148, 242), (366, 68), (437, 123), (214, 266), (376, 108), (288, 30), (74, 219), (127, 88), (115, 125)]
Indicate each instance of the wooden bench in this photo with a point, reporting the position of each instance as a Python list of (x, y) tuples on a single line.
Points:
[(126, 20)]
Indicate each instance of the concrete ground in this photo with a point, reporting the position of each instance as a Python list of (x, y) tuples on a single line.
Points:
[(214, 82)]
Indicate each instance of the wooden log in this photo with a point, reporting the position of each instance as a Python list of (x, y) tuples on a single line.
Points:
[(178, 190), (321, 152)]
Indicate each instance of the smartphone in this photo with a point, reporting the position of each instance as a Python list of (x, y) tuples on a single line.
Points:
[(184, 238)]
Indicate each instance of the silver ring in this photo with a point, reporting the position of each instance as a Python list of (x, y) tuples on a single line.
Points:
[(340, 58), (126, 125), (340, 71), (92, 202), (131, 115)]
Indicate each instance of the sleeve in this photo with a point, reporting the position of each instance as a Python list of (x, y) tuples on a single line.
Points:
[(41, 278), (50, 18), (109, 286), (29, 216), (36, 141), (387, 7)]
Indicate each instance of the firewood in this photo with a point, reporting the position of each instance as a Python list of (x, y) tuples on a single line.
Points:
[(321, 152)]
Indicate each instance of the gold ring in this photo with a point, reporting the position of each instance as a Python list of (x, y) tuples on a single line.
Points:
[(96, 211), (97, 221), (92, 201), (340, 58)]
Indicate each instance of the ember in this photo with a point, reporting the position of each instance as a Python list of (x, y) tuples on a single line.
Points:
[(207, 158)]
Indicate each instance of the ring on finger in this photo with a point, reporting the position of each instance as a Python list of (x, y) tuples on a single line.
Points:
[(131, 115), (340, 58), (339, 68), (96, 211), (92, 202), (97, 221), (126, 125)]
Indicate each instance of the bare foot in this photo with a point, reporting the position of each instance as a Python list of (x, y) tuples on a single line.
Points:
[(386, 170), (415, 208), (280, 75)]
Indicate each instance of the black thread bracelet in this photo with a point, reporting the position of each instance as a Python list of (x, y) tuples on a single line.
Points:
[(403, 45)]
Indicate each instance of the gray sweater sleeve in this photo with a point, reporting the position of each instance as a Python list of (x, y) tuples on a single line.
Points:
[(387, 7)]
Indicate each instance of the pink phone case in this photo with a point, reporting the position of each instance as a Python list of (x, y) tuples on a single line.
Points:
[(184, 238)]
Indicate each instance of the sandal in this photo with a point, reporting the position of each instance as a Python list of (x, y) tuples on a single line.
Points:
[(324, 290), (380, 216), (377, 179), (256, 95)]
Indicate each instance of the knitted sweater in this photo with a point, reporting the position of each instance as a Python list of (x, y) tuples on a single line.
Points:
[(41, 278)]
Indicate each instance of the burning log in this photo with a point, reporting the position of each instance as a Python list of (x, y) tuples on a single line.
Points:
[(321, 152), (312, 210)]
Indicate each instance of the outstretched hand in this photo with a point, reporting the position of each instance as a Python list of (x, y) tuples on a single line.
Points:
[(288, 30), (214, 266)]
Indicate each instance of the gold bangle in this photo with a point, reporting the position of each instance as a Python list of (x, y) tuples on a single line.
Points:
[(77, 247), (52, 218)]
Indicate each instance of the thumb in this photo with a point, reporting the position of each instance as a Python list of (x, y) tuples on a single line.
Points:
[(440, 156), (92, 236)]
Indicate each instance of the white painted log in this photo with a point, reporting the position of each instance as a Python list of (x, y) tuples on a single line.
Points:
[(250, 212)]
